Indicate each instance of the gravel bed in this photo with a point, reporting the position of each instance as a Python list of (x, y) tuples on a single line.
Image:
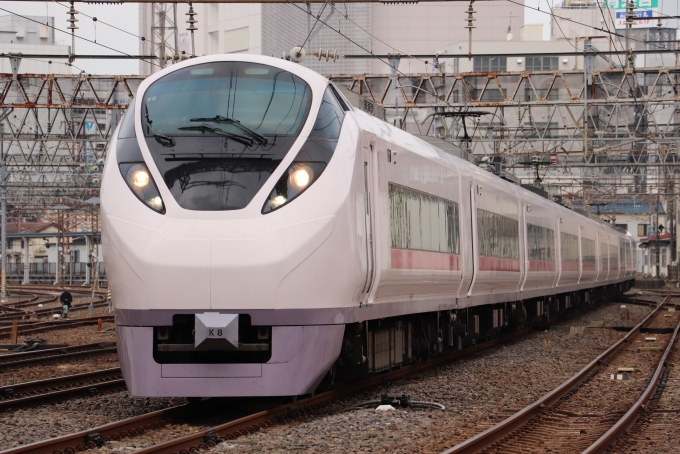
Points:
[(72, 366), (657, 432), (29, 425), (72, 336), (499, 381)]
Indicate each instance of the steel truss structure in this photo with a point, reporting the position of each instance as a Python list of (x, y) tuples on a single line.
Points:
[(54, 128), (53, 134), (585, 134)]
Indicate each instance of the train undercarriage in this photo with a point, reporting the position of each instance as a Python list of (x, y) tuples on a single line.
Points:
[(376, 346)]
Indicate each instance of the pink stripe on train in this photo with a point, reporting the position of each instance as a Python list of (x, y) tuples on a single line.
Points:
[(407, 259)]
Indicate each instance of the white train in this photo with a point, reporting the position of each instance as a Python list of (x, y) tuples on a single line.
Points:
[(261, 234)]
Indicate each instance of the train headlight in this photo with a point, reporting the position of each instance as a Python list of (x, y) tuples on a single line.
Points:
[(302, 176), (140, 178), (140, 181), (295, 180)]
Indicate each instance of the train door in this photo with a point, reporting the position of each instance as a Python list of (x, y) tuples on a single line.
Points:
[(558, 250), (474, 189), (370, 198), (523, 252)]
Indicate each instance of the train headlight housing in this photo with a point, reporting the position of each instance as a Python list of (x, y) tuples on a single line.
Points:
[(294, 181), (140, 181)]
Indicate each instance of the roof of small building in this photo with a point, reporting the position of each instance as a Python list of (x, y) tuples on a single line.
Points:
[(29, 227), (624, 207)]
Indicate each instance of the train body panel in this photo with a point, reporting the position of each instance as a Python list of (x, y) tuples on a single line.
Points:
[(312, 233)]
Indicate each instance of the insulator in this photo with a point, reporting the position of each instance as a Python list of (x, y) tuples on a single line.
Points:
[(72, 20), (191, 20), (470, 17)]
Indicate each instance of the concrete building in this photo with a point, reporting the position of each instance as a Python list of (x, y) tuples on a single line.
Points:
[(575, 20), (26, 36), (271, 29)]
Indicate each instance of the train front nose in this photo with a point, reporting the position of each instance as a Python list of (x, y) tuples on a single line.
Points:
[(191, 237)]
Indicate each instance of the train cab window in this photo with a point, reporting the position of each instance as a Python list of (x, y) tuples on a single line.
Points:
[(329, 120), (422, 221), (127, 127), (497, 235), (217, 131), (588, 253)]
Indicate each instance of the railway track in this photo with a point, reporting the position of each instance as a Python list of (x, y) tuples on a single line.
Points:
[(241, 426), (596, 406), (100, 301), (22, 394), (33, 327), (55, 354)]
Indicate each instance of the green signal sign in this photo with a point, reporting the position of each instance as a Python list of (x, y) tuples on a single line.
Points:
[(622, 4)]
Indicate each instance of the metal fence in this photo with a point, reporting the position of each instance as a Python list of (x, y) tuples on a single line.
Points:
[(45, 273), (673, 272)]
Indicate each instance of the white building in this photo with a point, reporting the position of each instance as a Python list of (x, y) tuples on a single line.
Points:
[(32, 37), (274, 28)]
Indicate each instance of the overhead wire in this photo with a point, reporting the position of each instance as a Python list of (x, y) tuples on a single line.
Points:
[(600, 29), (77, 36), (346, 37), (101, 21), (346, 16)]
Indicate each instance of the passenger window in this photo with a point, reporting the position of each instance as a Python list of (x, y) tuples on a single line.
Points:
[(329, 120)]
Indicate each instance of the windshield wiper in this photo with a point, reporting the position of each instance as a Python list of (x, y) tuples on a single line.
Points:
[(207, 128), (166, 141), (220, 119)]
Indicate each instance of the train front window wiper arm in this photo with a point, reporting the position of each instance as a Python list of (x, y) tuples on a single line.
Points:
[(207, 128), (166, 141), (220, 119)]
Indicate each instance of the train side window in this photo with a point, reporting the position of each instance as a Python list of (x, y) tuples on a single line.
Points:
[(588, 252), (614, 255), (569, 247), (541, 243), (498, 235), (604, 256), (422, 221)]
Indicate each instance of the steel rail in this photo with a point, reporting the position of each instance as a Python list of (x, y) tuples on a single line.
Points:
[(42, 326), (88, 382), (100, 301), (52, 354), (507, 426), (89, 439), (626, 422), (137, 425), (257, 421)]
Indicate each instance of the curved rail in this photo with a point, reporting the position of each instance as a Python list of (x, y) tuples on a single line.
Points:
[(26, 328), (247, 424), (509, 425), (89, 383), (625, 423), (58, 354)]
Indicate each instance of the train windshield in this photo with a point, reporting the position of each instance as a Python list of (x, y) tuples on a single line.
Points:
[(218, 130)]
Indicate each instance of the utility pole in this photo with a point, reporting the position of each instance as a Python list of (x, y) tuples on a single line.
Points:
[(3, 226)]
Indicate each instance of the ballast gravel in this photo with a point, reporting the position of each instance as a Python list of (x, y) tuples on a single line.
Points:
[(496, 382), (477, 392)]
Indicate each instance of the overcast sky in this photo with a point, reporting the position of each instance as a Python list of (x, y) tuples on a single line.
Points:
[(126, 17), (123, 16)]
